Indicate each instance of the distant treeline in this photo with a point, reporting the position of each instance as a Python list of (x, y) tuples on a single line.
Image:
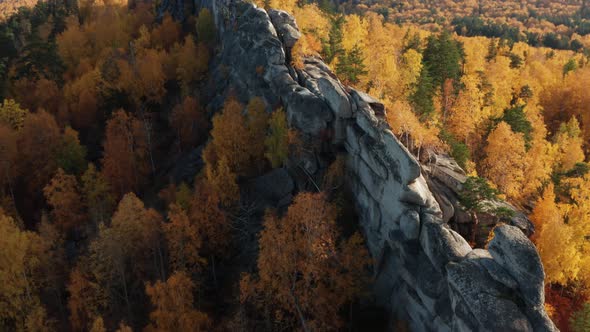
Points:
[(474, 26)]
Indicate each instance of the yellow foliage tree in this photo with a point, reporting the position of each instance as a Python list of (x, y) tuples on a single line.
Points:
[(555, 241), (569, 141), (505, 160)]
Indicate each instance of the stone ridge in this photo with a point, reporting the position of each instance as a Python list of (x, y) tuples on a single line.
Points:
[(425, 272)]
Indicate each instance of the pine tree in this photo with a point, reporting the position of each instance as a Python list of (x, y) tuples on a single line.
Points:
[(351, 67)]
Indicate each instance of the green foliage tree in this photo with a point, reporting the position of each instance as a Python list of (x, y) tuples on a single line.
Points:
[(351, 65), (424, 92), (518, 122), (475, 190), (71, 155), (206, 27), (443, 58), (569, 66), (333, 46), (277, 140)]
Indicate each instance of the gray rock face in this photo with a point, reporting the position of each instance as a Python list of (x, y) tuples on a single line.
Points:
[(488, 300), (286, 27), (425, 272), (517, 254), (442, 245)]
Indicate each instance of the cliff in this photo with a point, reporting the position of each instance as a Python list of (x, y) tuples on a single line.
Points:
[(425, 272)]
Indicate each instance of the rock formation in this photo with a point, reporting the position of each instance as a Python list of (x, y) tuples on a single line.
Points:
[(425, 272)]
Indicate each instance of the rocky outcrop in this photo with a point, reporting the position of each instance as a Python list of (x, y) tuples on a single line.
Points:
[(446, 179), (425, 272)]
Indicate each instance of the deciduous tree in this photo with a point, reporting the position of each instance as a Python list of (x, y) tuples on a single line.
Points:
[(173, 306), (184, 241), (63, 195), (303, 271), (125, 157), (504, 162), (277, 139), (189, 122)]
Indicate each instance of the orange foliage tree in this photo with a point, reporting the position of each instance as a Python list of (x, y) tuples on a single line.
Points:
[(38, 142), (173, 306), (184, 241), (189, 122), (303, 270), (63, 195), (125, 156)]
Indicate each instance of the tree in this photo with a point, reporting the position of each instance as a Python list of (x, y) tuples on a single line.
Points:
[(424, 92), (18, 291), (442, 58), (192, 61), (463, 117), (206, 27), (12, 115), (517, 119), (231, 129), (148, 78), (560, 259), (173, 306), (127, 252), (98, 325), (85, 300), (63, 195), (125, 157), (8, 159), (211, 222), (166, 33), (333, 48), (96, 192), (578, 216), (257, 124), (72, 43), (222, 179), (303, 271), (82, 97), (71, 155), (351, 66), (184, 241), (189, 122), (569, 66), (277, 139), (569, 142), (504, 162), (38, 142)]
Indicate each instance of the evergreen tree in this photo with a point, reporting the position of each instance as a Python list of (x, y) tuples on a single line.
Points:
[(351, 66), (422, 97), (333, 47)]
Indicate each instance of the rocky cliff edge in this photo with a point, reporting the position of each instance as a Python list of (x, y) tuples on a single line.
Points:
[(424, 271)]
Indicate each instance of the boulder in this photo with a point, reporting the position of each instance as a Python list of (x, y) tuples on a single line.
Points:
[(486, 299), (442, 245), (271, 189), (484, 259), (519, 257), (286, 26)]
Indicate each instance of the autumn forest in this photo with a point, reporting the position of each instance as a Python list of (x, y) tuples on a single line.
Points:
[(101, 101)]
